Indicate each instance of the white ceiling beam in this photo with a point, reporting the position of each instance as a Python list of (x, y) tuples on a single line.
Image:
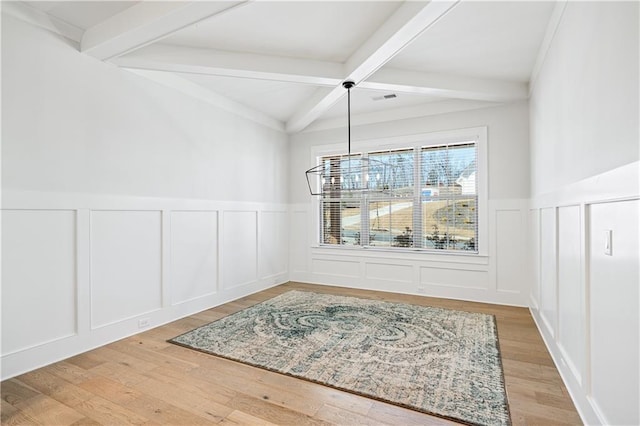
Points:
[(161, 57), (404, 26), (407, 23), (445, 85), (170, 58), (145, 23), (402, 113)]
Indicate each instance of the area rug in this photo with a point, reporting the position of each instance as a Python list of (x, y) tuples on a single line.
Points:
[(438, 361)]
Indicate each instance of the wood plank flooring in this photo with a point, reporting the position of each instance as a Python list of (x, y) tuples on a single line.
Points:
[(144, 380)]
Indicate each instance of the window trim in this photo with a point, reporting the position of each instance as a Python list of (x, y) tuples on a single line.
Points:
[(478, 134)]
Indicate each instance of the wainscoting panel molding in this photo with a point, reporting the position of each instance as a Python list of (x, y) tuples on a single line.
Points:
[(83, 270), (389, 272), (298, 241), (571, 294), (38, 278), (590, 285), (457, 276), (548, 269), (336, 268), (449, 277), (194, 255), (126, 265), (240, 247), (614, 305), (274, 243), (510, 260), (533, 254)]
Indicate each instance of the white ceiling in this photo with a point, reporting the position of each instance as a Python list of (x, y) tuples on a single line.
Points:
[(328, 31), (273, 98), (286, 60), (497, 40), (82, 14)]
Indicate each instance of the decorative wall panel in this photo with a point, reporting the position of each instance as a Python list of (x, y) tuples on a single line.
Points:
[(614, 308), (335, 267), (240, 257), (389, 272), (194, 254), (571, 299), (274, 241), (467, 278), (38, 277), (548, 253), (299, 244), (126, 269), (509, 246)]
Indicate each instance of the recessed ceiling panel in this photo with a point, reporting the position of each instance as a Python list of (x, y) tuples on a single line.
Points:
[(481, 39), (321, 30), (276, 99), (82, 14)]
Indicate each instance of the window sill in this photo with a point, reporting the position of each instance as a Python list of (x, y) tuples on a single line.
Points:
[(403, 254)]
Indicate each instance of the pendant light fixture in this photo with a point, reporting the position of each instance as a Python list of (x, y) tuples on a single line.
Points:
[(349, 176)]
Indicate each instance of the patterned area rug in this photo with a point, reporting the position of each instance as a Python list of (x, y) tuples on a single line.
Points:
[(437, 361)]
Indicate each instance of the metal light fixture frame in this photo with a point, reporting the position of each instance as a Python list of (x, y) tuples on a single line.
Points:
[(359, 177)]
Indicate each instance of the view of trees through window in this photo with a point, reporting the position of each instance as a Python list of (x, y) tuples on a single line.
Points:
[(428, 202)]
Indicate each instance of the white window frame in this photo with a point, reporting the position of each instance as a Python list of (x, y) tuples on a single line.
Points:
[(477, 134)]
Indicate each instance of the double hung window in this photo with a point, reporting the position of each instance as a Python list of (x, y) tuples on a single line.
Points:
[(431, 202)]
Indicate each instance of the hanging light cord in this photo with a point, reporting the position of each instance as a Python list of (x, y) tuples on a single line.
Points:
[(348, 85), (349, 117)]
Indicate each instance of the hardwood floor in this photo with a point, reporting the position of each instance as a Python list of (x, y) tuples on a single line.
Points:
[(144, 380)]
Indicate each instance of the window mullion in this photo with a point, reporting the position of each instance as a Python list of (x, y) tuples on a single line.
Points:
[(364, 205), (417, 195)]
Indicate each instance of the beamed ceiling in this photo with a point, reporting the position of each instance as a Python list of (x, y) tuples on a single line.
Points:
[(282, 62)]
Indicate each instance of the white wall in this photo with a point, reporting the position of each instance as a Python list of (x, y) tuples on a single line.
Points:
[(586, 96), (74, 124), (123, 201), (585, 182), (508, 127), (481, 278)]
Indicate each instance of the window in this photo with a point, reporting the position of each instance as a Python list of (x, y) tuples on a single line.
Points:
[(431, 204)]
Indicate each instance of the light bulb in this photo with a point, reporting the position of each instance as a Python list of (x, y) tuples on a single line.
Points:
[(333, 181), (357, 178), (367, 177), (378, 176)]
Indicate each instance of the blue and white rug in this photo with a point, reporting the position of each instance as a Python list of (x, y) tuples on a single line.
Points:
[(438, 361)]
